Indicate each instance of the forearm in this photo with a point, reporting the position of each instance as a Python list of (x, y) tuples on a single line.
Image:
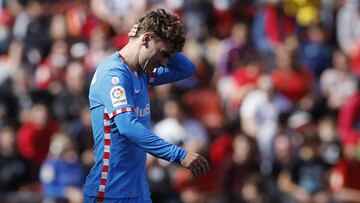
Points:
[(129, 125), (181, 64), (178, 67)]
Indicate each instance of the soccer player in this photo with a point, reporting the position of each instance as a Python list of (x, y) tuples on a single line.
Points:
[(120, 111)]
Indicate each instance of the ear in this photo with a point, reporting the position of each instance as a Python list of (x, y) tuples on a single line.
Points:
[(146, 38)]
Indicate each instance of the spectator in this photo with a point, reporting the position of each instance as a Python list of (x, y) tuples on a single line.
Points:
[(282, 183), (330, 147), (34, 137), (344, 180), (115, 13), (12, 62), (290, 79), (22, 90), (311, 170), (348, 119), (209, 113), (49, 73), (13, 168), (241, 81), (233, 50), (11, 67), (160, 183), (314, 51), (80, 132), (238, 171), (158, 96), (270, 28), (72, 98), (178, 128), (58, 29), (348, 33), (57, 183), (337, 83), (36, 23), (259, 114), (8, 106), (198, 19)]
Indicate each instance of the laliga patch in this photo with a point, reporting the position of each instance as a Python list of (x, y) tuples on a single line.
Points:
[(115, 80), (117, 95)]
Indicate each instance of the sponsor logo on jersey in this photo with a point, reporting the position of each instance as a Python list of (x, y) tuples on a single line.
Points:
[(142, 112), (115, 80), (117, 95), (137, 91)]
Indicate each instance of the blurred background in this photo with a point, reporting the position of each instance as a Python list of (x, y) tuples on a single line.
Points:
[(274, 104)]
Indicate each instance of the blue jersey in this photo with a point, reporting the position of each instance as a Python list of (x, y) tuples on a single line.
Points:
[(120, 115)]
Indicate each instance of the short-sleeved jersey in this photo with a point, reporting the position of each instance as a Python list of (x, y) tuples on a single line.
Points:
[(116, 95)]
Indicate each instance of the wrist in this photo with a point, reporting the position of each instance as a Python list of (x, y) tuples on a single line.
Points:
[(182, 154)]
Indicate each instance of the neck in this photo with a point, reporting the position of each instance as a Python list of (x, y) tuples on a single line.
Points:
[(130, 55)]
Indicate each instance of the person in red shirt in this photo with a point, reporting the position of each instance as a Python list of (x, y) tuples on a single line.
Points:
[(344, 179), (289, 78), (349, 118), (33, 137)]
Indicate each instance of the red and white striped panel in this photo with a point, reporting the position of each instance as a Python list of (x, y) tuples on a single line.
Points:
[(107, 144), (119, 111), (106, 158)]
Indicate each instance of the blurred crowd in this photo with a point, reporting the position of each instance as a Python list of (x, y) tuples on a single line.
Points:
[(274, 104)]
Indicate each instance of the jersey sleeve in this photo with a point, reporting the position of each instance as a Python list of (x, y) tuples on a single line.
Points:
[(128, 125), (114, 90), (178, 67)]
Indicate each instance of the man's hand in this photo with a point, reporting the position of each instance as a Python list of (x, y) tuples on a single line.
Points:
[(133, 30), (197, 164)]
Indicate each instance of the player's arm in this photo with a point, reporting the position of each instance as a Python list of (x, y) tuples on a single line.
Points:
[(128, 125), (118, 96), (177, 68)]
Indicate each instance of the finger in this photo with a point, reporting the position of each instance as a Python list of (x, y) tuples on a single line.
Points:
[(201, 168), (204, 168), (207, 166), (203, 165), (193, 170), (198, 168)]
